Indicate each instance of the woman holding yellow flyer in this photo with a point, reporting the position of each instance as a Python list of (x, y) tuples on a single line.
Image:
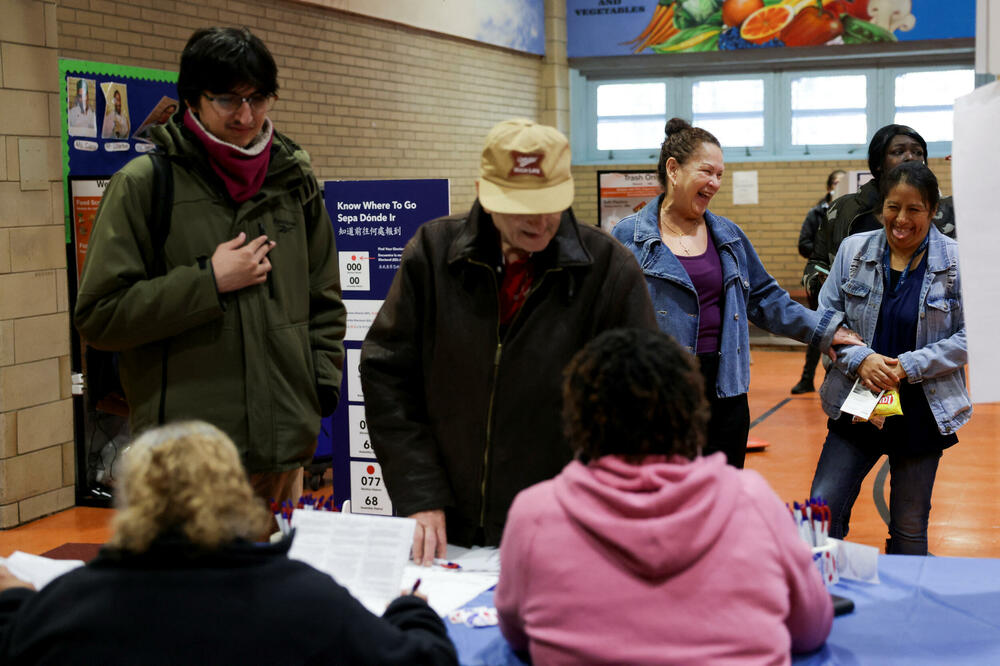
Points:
[(899, 288)]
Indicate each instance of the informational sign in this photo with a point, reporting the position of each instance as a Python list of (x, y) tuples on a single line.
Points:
[(85, 196), (745, 189), (622, 193), (372, 221), (627, 27)]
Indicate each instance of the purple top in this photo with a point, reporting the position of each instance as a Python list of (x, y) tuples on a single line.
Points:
[(705, 271)]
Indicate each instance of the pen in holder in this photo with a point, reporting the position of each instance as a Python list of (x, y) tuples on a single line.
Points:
[(825, 560)]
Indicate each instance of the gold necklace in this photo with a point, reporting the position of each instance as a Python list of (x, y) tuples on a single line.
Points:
[(680, 237)]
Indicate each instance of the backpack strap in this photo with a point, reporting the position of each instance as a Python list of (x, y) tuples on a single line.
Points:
[(161, 209)]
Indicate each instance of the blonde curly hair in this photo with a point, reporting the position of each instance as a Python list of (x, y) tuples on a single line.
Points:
[(185, 478)]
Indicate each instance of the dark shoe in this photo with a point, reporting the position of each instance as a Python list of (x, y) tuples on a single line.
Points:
[(804, 386)]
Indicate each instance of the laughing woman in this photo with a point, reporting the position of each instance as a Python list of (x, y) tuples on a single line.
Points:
[(706, 282), (900, 289)]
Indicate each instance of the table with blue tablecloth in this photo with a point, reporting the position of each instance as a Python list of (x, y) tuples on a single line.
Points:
[(926, 610)]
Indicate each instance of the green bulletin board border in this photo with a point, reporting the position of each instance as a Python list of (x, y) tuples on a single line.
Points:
[(67, 65)]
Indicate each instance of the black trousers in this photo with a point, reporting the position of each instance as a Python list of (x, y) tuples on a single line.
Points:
[(729, 424)]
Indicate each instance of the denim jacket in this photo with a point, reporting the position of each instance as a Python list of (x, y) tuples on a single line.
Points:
[(749, 293), (855, 286)]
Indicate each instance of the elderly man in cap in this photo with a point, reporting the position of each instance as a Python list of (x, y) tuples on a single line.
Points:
[(462, 367)]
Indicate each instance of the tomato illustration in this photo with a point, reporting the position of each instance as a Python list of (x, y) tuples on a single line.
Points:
[(812, 26)]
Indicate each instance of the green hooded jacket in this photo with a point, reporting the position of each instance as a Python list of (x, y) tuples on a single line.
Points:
[(257, 362)]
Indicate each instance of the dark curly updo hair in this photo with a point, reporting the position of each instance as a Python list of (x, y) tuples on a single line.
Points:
[(681, 142), (634, 393)]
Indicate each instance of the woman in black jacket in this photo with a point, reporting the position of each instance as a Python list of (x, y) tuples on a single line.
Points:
[(180, 581)]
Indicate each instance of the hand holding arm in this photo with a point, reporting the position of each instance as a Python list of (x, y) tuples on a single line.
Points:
[(880, 373), (429, 538), (236, 265), (843, 336)]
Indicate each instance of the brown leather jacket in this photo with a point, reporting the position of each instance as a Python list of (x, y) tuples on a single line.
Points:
[(462, 416)]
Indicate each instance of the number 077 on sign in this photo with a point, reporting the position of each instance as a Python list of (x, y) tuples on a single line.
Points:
[(368, 493)]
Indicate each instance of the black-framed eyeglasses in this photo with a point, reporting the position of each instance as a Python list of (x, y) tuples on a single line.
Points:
[(229, 104)]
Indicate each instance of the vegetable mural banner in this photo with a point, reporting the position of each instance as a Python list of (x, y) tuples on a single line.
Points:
[(627, 27)]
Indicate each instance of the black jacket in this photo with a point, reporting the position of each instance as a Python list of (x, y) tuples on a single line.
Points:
[(810, 227), (460, 416), (243, 604)]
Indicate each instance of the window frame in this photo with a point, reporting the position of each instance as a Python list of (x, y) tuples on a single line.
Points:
[(880, 110)]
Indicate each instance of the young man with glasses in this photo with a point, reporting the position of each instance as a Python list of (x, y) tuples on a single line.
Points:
[(235, 318)]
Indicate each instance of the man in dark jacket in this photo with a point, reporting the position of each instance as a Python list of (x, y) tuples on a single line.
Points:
[(242, 324), (462, 367)]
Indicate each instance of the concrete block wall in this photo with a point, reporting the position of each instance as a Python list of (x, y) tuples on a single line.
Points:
[(787, 190), (36, 412)]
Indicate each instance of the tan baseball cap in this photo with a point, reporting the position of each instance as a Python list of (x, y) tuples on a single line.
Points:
[(525, 169)]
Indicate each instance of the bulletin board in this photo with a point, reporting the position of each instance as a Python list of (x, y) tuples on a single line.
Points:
[(106, 111)]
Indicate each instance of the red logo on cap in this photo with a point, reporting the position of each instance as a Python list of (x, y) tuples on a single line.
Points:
[(526, 164)]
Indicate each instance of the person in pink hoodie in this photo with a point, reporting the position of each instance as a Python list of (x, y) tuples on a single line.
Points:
[(643, 552)]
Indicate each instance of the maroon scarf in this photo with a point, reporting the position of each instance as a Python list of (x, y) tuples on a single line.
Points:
[(242, 170)]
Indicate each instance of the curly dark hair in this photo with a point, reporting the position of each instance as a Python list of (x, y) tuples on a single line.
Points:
[(681, 141), (633, 393)]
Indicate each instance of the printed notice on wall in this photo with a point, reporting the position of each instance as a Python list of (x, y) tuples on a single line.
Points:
[(745, 188), (86, 196), (623, 193)]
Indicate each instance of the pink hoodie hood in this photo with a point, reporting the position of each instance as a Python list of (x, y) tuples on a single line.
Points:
[(636, 511)]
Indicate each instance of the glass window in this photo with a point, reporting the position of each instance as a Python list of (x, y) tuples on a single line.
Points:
[(630, 116), (732, 110), (829, 110), (925, 100)]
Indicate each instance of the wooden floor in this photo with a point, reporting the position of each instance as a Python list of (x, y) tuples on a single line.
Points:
[(965, 518)]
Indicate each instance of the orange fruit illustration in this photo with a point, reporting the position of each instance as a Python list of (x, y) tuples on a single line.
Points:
[(766, 23), (734, 12)]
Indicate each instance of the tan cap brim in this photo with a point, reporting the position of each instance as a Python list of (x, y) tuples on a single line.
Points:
[(526, 201)]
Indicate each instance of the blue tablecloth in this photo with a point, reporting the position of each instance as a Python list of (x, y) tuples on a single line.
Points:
[(927, 610)]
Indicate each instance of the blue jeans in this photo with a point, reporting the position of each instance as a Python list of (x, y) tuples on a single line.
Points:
[(842, 467)]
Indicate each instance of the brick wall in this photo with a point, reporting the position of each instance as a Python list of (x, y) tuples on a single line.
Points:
[(787, 190), (36, 412), (366, 98)]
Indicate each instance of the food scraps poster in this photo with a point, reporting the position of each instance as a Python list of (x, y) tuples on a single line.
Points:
[(372, 221), (626, 27)]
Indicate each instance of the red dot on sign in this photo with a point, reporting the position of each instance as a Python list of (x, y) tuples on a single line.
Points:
[(354, 258), (371, 469)]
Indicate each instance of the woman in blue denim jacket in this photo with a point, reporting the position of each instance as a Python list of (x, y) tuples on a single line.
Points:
[(706, 281), (900, 289)]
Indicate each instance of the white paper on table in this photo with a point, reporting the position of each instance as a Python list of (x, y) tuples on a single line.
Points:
[(365, 554), (38, 570), (974, 158), (477, 558), (448, 589), (861, 401), (857, 561)]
